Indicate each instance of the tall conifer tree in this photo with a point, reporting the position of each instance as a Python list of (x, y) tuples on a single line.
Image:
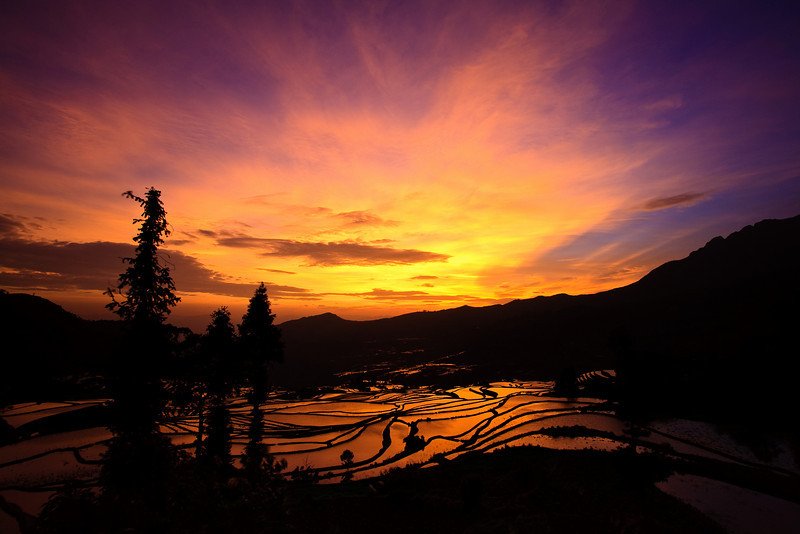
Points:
[(135, 467), (146, 285), (261, 341)]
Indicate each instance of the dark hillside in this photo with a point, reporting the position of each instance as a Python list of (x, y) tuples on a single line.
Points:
[(725, 316), (47, 350)]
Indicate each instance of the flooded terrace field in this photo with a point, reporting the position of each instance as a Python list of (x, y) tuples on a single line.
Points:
[(383, 428)]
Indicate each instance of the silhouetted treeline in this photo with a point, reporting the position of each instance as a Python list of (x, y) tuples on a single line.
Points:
[(155, 370)]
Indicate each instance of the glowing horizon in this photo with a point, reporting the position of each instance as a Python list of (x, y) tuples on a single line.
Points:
[(374, 159)]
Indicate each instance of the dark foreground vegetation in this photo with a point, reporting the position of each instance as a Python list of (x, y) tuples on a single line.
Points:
[(521, 489)]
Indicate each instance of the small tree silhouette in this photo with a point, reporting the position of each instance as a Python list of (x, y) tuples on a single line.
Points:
[(261, 344), (347, 458), (566, 384), (219, 346)]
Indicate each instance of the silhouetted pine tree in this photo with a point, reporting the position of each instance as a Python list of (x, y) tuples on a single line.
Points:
[(139, 458), (146, 284), (219, 348), (261, 344)]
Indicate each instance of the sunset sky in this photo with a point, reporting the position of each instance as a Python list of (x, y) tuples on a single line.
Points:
[(376, 158)]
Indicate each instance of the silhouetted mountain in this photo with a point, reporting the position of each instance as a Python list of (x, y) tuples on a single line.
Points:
[(725, 314), (48, 350)]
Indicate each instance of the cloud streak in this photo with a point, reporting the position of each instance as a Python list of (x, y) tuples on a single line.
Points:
[(379, 294), (64, 266), (363, 218), (328, 254), (684, 199), (10, 225)]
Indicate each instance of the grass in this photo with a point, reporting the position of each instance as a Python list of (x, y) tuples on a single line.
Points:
[(519, 489)]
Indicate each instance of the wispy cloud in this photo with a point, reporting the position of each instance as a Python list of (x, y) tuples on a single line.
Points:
[(684, 199), (279, 271), (421, 296), (365, 218), (333, 253), (63, 266), (10, 226)]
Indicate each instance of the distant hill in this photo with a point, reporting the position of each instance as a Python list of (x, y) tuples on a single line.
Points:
[(728, 311), (48, 349)]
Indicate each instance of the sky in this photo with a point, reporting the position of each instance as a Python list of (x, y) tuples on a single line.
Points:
[(376, 158)]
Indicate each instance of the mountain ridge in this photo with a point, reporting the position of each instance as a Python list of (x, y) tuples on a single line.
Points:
[(679, 306), (706, 316), (656, 271)]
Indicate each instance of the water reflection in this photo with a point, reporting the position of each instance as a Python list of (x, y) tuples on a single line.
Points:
[(373, 431)]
